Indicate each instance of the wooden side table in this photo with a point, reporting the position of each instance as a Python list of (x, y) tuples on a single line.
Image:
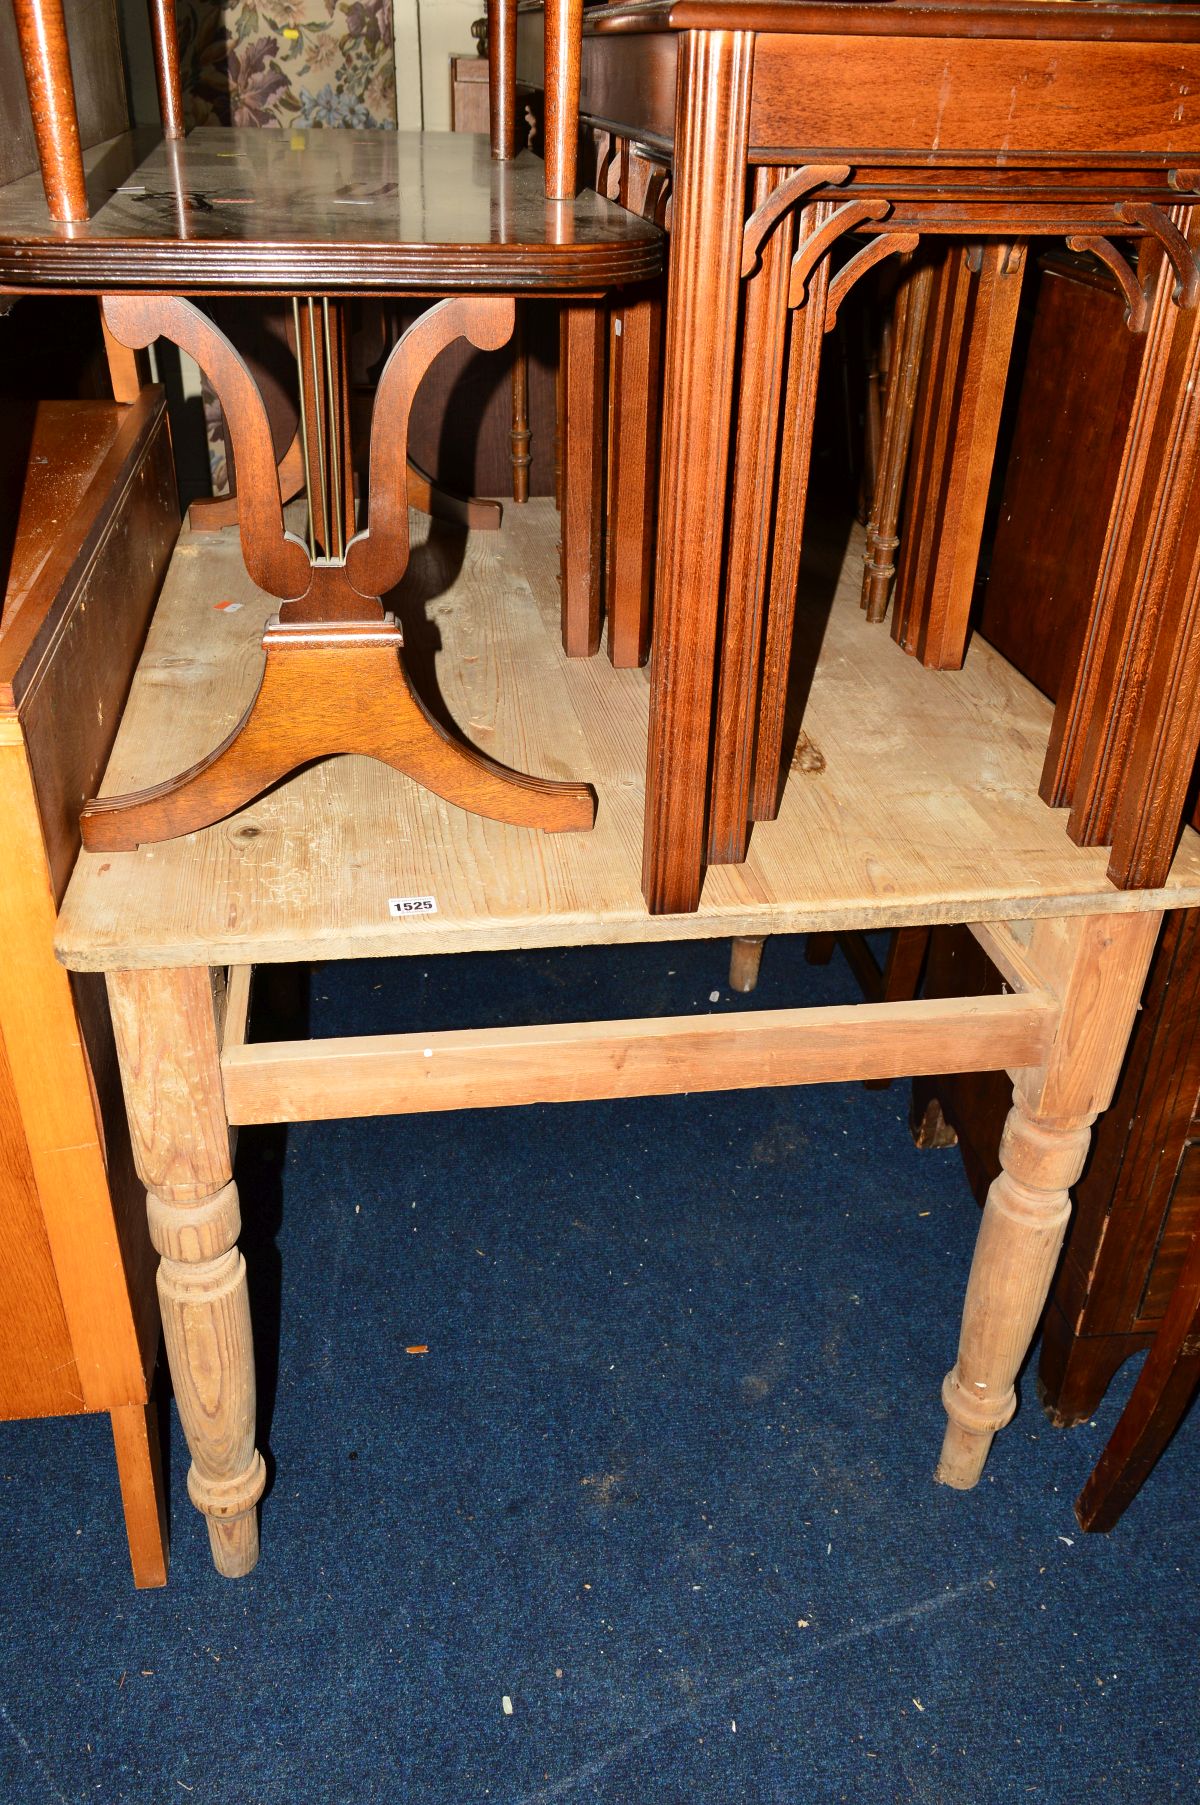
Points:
[(350, 859)]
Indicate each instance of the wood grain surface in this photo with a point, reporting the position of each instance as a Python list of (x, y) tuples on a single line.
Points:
[(326, 211), (925, 810)]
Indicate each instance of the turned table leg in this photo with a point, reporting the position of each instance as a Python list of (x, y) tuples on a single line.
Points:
[(1096, 967), (166, 1037)]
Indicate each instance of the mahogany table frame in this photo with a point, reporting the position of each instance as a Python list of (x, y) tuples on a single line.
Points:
[(794, 124)]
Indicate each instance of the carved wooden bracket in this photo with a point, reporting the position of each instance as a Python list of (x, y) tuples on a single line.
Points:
[(377, 558), (1137, 309), (764, 219), (276, 560), (1163, 227), (815, 246), (888, 244)]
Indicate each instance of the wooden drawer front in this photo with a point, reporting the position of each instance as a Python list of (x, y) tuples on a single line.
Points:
[(73, 699), (931, 95)]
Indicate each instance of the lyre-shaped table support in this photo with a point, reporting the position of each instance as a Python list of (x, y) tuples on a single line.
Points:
[(334, 680)]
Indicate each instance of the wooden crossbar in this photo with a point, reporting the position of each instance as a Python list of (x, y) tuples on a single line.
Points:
[(482, 1068)]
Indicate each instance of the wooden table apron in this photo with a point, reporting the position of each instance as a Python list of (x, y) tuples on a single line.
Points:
[(986, 123)]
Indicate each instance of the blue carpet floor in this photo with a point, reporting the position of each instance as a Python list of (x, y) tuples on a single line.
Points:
[(662, 1480)]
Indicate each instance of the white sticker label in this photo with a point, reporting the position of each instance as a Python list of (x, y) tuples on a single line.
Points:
[(412, 905)]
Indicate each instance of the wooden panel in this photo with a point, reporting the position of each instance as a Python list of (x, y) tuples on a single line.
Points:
[(38, 1376), (48, 457), (629, 85), (1178, 1233), (469, 110), (74, 693), (1068, 435), (934, 95), (910, 18), (51, 1086), (96, 64), (564, 1063), (874, 838)]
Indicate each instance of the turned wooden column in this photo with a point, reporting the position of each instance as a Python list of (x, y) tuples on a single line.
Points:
[(908, 338), (166, 1036), (42, 32), (1097, 967)]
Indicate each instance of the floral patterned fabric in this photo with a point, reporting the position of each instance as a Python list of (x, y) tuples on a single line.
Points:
[(288, 62), (283, 62)]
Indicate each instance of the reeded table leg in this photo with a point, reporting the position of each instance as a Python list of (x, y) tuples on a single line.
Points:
[(708, 217), (1097, 967), (170, 1068)]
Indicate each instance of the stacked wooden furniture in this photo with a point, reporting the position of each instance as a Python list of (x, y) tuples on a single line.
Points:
[(788, 131), (924, 808)]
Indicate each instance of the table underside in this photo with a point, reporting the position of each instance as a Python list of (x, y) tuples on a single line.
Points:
[(913, 798)]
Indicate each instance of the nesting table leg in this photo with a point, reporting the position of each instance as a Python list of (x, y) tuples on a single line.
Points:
[(166, 1035), (1096, 967)]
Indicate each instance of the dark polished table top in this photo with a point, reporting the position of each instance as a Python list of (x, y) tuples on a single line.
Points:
[(329, 210)]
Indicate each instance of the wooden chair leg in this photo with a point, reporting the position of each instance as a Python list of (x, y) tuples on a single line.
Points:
[(1097, 968), (129, 371), (583, 475), (166, 1037), (1164, 1389), (745, 958), (520, 436), (635, 403), (908, 338), (143, 1493), (633, 387)]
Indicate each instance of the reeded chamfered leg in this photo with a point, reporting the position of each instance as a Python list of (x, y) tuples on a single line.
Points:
[(708, 216), (166, 1036), (1097, 967)]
